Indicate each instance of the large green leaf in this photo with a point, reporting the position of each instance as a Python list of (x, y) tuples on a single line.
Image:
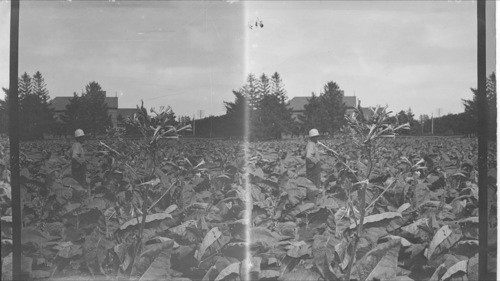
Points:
[(181, 229), (323, 252), (149, 218), (264, 236), (421, 194), (444, 238), (159, 269), (381, 263), (209, 239), (72, 183), (233, 268), (94, 250), (301, 275), (297, 249), (377, 217), (296, 194), (460, 266), (250, 268), (473, 268), (34, 236), (68, 249)]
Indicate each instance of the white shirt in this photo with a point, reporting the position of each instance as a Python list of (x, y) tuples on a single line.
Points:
[(312, 152), (78, 153)]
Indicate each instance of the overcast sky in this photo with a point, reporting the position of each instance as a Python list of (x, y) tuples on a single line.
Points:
[(192, 54)]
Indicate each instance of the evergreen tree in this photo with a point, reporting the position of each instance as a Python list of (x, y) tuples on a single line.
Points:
[(35, 115), (325, 112), (24, 86), (264, 85), (332, 108), (46, 121), (425, 124), (88, 111), (236, 114), (39, 87), (274, 118), (268, 115), (251, 91), (277, 87), (75, 116), (312, 116), (472, 110), (96, 109)]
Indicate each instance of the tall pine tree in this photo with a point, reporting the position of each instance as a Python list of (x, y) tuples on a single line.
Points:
[(45, 112), (251, 91), (275, 118), (472, 110), (35, 115), (277, 87), (312, 114), (24, 86), (272, 118), (235, 114), (264, 85), (96, 108), (332, 107)]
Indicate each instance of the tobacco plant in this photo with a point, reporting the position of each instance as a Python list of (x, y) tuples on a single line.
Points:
[(366, 134), (154, 130)]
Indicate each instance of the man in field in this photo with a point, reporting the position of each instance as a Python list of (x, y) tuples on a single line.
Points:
[(313, 162), (78, 162)]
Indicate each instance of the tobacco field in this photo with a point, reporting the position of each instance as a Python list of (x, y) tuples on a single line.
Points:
[(178, 212)]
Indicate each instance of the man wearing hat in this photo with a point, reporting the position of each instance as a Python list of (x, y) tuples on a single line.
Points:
[(313, 162), (78, 162)]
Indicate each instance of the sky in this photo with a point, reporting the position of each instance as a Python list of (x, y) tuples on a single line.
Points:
[(192, 54)]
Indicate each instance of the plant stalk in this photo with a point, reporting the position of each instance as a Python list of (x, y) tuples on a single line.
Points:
[(360, 230)]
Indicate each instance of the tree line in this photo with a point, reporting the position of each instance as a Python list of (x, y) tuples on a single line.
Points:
[(37, 117), (464, 123), (263, 100)]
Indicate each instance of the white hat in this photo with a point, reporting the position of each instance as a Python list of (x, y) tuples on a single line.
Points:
[(313, 133), (79, 133)]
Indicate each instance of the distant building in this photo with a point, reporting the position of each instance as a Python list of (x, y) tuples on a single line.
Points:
[(297, 104), (59, 105)]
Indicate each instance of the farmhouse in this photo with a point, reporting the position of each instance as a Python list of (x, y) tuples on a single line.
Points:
[(297, 105), (59, 105)]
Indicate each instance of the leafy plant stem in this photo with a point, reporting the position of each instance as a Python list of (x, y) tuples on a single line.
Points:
[(145, 209), (380, 195), (358, 235), (164, 193)]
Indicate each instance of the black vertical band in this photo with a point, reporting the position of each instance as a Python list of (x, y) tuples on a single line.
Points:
[(482, 139), (14, 140)]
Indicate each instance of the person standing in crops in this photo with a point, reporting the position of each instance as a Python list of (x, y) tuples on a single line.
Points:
[(78, 162), (313, 162)]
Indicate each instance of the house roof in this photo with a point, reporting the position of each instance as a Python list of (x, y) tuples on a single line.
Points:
[(59, 103), (298, 103), (126, 112), (350, 101)]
